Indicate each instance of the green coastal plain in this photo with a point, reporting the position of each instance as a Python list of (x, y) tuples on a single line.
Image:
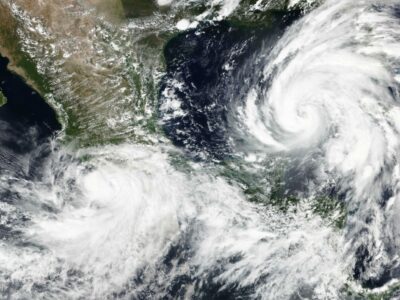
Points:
[(3, 99)]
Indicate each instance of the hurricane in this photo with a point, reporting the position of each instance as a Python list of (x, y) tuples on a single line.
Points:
[(202, 150)]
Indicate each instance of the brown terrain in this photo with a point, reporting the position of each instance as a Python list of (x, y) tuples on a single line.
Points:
[(87, 61)]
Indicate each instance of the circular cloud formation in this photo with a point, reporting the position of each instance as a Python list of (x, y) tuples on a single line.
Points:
[(325, 94), (328, 95)]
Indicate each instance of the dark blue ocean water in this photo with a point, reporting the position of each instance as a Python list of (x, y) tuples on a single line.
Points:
[(27, 124)]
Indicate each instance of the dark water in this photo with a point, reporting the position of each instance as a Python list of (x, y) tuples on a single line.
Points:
[(27, 123), (198, 60), (207, 91)]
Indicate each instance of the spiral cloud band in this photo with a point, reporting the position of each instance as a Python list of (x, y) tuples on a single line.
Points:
[(319, 95)]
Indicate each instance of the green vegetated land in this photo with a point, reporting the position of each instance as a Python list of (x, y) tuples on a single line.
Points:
[(145, 89), (3, 99), (146, 92), (138, 8), (10, 47)]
